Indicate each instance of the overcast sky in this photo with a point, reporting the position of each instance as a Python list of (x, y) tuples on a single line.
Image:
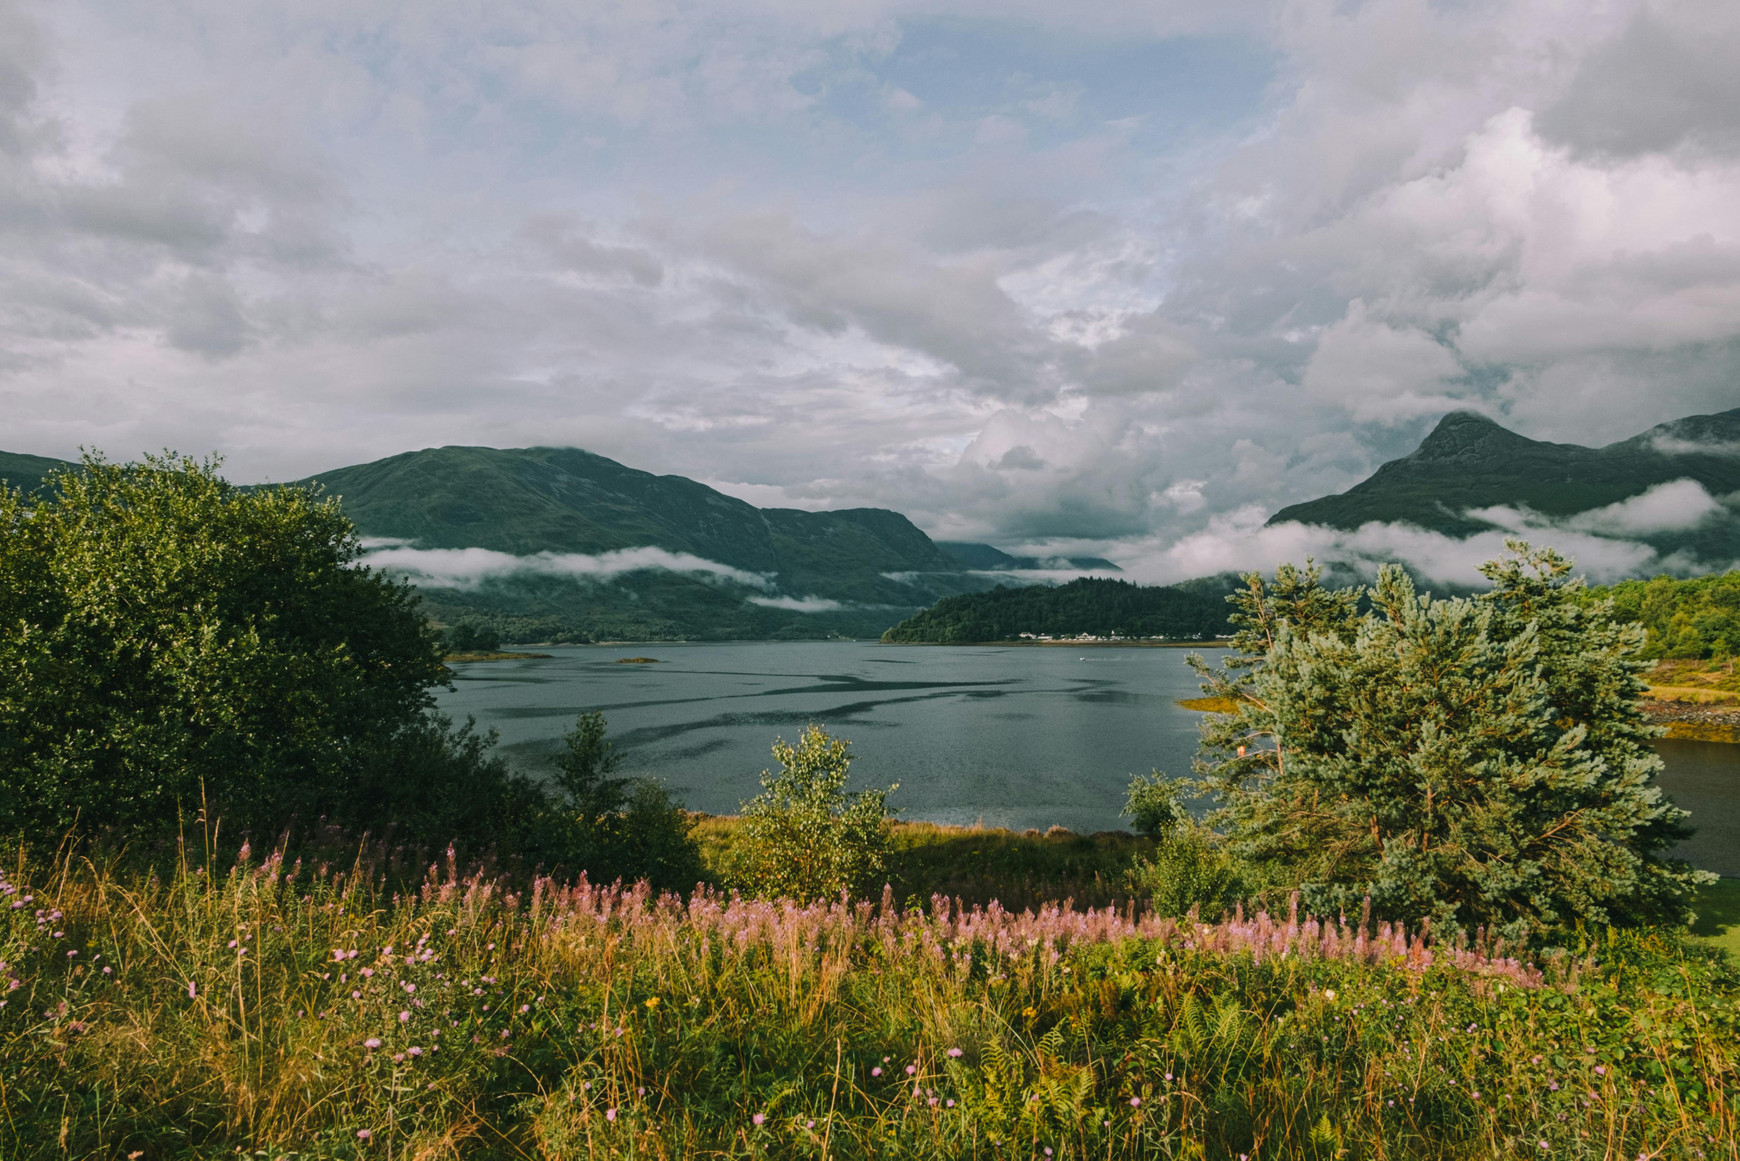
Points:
[(1115, 276)]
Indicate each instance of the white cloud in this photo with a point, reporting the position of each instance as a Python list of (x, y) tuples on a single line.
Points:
[(467, 568), (1676, 506), (973, 261), (798, 604)]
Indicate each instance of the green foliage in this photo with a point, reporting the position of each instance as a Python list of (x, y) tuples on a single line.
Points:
[(601, 1025), (1153, 804), (805, 837), (1698, 618), (1479, 762), (626, 828), (168, 640), (1092, 605), (1190, 870), (469, 637)]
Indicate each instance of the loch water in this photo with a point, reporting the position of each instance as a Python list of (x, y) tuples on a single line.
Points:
[(1024, 736)]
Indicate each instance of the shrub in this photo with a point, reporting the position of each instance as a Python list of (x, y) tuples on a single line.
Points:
[(1189, 867), (166, 637), (804, 836), (1476, 761), (466, 637), (626, 828)]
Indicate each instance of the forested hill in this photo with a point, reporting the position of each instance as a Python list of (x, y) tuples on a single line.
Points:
[(1469, 464), (1098, 607)]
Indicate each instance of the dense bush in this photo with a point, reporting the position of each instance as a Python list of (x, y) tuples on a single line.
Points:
[(171, 645), (168, 640), (622, 827), (1697, 618), (1479, 762), (805, 837), (469, 637)]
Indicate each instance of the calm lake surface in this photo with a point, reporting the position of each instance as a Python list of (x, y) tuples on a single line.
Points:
[(1018, 737)]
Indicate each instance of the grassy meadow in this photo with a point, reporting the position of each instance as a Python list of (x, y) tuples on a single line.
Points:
[(227, 1006)]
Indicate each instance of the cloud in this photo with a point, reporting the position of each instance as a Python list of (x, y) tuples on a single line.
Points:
[(1241, 541), (467, 568), (1110, 276), (798, 604), (1676, 506)]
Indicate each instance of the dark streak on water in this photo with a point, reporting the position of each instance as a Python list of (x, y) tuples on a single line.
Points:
[(1012, 737)]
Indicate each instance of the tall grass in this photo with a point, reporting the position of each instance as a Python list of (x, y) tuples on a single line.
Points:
[(310, 1012)]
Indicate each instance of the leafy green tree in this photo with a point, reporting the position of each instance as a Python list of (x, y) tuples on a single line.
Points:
[(626, 828), (1189, 867), (1475, 761), (1153, 804), (166, 637), (806, 837), (466, 637)]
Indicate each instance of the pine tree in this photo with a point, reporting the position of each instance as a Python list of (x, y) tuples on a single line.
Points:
[(1473, 761)]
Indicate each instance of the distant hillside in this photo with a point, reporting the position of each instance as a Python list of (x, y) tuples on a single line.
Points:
[(988, 559), (1099, 607), (25, 472), (1469, 462)]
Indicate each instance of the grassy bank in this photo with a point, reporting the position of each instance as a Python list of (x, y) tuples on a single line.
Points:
[(315, 1015)]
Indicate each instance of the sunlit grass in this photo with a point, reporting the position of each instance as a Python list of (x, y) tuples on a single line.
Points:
[(315, 1014)]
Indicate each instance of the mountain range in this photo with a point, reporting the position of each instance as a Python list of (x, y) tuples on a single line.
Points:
[(557, 544), (1472, 475)]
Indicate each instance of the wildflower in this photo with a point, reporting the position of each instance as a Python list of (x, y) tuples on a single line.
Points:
[(372, 1043), (911, 1069), (363, 1134), (609, 1114), (414, 1050), (398, 1058), (1135, 1102), (1329, 994), (759, 1118), (951, 1104), (955, 1052), (1600, 1070), (809, 1124), (652, 1002), (72, 953), (190, 990), (876, 1071), (1030, 1012)]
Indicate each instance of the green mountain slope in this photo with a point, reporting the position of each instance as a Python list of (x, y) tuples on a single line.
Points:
[(1099, 607), (1469, 462), (25, 472), (848, 572)]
